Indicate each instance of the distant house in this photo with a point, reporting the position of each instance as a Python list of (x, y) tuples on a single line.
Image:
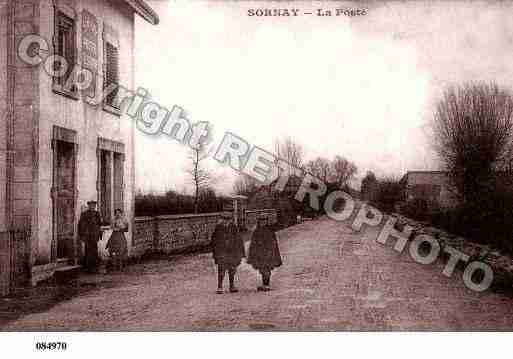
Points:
[(268, 196), (433, 187), (283, 201)]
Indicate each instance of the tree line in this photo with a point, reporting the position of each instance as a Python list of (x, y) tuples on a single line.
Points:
[(336, 173), (172, 202)]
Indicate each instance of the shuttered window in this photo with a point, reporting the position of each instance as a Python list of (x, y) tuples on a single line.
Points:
[(111, 73), (65, 46)]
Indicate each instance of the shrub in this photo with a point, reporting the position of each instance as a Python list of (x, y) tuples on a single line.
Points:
[(416, 209), (489, 222)]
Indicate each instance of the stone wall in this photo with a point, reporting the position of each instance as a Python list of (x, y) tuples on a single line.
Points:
[(179, 232), (4, 238), (168, 234), (4, 13), (501, 264), (143, 235)]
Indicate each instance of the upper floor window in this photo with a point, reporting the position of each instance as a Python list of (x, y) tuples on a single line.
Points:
[(111, 68), (65, 46), (111, 72)]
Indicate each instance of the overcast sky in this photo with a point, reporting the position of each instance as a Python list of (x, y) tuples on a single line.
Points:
[(361, 87)]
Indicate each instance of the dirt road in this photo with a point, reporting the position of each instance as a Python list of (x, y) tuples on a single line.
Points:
[(332, 279)]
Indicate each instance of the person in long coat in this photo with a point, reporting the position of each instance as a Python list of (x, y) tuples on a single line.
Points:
[(89, 230), (264, 253), (228, 251), (117, 245)]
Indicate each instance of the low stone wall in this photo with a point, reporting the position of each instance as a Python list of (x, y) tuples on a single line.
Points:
[(252, 216), (168, 234), (143, 236), (179, 232), (501, 264)]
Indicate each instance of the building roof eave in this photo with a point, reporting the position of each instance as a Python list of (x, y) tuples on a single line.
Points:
[(144, 10)]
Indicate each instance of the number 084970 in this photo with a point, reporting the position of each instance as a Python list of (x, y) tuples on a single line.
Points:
[(51, 346)]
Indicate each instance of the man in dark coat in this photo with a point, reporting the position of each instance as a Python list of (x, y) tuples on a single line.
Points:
[(89, 230), (228, 250), (264, 253)]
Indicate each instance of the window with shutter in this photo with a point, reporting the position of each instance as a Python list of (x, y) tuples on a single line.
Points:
[(65, 46), (111, 73)]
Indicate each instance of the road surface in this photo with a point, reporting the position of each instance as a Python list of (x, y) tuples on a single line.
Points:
[(332, 279)]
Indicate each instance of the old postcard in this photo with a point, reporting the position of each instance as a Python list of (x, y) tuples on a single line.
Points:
[(255, 166)]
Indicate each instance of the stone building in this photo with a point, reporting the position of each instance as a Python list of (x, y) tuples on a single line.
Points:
[(267, 196), (433, 187), (59, 145)]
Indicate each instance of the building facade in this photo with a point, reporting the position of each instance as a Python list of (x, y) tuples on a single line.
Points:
[(61, 145), (433, 187)]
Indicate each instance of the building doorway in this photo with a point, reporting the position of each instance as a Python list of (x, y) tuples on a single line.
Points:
[(111, 166), (105, 180), (64, 200)]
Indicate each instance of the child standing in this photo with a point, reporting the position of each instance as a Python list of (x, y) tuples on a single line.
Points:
[(264, 253)]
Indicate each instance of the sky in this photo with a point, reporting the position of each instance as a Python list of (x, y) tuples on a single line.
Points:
[(360, 87)]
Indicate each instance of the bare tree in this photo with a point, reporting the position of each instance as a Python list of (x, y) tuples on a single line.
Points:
[(343, 171), (473, 127), (199, 174), (338, 171), (320, 168), (291, 151)]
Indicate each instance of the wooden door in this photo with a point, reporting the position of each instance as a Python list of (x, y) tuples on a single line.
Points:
[(64, 199)]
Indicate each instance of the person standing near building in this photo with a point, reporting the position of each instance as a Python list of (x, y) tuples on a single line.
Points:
[(228, 251), (264, 253), (117, 246), (89, 230)]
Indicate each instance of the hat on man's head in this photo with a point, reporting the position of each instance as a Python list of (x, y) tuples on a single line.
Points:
[(91, 202)]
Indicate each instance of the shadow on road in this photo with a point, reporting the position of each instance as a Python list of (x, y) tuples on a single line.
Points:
[(40, 299)]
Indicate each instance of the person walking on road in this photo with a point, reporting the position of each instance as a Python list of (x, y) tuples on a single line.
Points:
[(89, 230), (264, 253), (228, 251)]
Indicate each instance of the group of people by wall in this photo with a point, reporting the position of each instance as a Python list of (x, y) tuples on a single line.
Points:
[(227, 246)]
